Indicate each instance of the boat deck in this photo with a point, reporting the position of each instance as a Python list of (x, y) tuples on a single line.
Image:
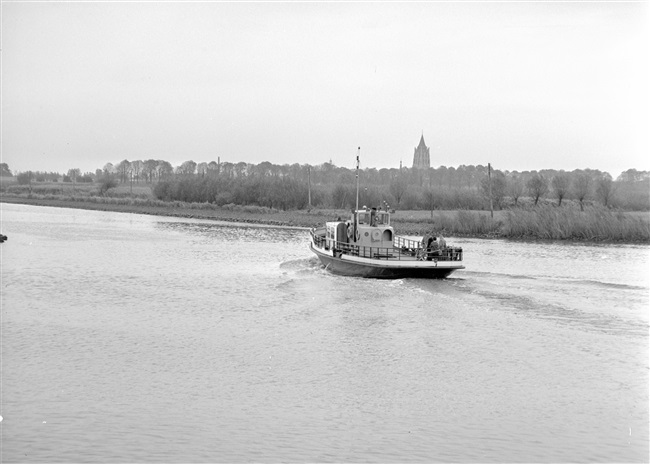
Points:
[(403, 249)]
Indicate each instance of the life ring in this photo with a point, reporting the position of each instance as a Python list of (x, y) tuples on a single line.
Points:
[(376, 235)]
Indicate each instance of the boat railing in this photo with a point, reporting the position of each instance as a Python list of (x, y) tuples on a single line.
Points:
[(406, 242), (402, 249)]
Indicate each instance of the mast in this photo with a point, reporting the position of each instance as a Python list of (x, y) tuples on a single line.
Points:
[(358, 150), (355, 216)]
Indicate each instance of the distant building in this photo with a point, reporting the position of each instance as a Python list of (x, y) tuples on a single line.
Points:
[(421, 158)]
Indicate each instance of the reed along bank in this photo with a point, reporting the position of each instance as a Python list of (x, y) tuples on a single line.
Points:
[(544, 222)]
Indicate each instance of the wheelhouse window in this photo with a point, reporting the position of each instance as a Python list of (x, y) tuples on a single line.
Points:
[(364, 218), (383, 218)]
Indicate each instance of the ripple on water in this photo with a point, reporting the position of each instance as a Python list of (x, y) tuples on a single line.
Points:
[(177, 340)]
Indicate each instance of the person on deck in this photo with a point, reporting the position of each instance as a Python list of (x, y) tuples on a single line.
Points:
[(433, 248)]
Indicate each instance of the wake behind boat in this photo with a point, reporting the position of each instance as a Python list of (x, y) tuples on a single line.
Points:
[(366, 246)]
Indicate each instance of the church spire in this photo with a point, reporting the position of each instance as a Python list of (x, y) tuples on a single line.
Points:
[(421, 158), (422, 144)]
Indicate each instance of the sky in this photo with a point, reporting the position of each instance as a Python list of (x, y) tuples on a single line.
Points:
[(520, 85)]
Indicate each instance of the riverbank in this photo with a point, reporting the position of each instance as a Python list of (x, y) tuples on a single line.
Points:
[(234, 213), (547, 223)]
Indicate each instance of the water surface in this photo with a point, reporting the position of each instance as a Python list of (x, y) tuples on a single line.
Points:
[(132, 338)]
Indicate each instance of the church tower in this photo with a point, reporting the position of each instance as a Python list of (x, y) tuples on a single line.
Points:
[(421, 156)]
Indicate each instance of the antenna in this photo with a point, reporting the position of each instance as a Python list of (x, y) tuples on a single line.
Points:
[(358, 151)]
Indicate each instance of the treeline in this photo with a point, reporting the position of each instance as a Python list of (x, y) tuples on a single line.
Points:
[(466, 187), (73, 175), (278, 193), (298, 186)]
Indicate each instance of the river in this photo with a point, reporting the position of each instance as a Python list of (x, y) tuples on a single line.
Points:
[(134, 338)]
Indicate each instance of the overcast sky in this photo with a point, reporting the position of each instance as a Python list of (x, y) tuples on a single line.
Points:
[(520, 85)]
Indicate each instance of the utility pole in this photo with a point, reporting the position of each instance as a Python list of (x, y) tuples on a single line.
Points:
[(490, 189)]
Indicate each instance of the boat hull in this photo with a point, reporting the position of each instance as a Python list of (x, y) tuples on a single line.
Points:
[(382, 269)]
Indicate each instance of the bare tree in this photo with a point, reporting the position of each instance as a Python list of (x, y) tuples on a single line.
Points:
[(498, 188), (582, 188), (515, 188), (605, 190), (164, 169), (398, 187), (124, 170), (342, 196), (537, 187), (136, 168), (149, 169), (560, 184), (429, 199)]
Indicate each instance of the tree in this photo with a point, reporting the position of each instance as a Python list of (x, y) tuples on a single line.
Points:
[(240, 169), (605, 190), (106, 183), (498, 188), (149, 169), (632, 175), (74, 174), (429, 199), (515, 188), (124, 170), (537, 187), (213, 169), (136, 169), (227, 169), (398, 187), (342, 197), (202, 169), (164, 170), (582, 188), (88, 177), (109, 168), (4, 170), (263, 169), (560, 184), (25, 178), (187, 168)]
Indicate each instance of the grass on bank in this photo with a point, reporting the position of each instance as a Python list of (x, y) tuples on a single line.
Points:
[(547, 222), (543, 222)]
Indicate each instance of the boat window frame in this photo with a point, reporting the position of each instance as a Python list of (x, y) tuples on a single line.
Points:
[(363, 217), (382, 218)]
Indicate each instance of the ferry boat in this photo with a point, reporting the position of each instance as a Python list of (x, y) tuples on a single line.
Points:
[(366, 246)]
